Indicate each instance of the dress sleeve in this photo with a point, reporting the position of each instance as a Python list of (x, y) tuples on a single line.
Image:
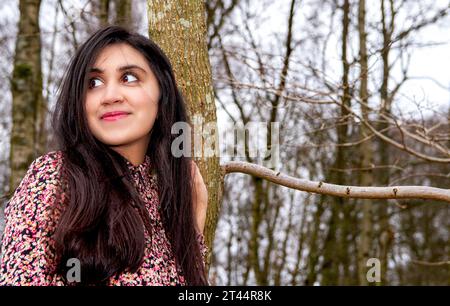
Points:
[(27, 253)]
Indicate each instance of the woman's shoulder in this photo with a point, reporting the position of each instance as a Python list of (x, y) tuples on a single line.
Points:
[(38, 190), (48, 161), (46, 166), (42, 174)]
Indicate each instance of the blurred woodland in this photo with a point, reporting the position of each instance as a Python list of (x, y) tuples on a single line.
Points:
[(340, 77)]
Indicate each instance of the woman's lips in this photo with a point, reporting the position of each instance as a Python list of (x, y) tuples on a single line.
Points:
[(114, 117)]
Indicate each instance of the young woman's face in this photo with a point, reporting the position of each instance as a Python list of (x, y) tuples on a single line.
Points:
[(122, 97)]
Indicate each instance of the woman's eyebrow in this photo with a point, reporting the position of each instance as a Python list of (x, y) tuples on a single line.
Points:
[(126, 67)]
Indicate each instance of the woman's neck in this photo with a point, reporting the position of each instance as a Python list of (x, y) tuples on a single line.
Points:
[(133, 152)]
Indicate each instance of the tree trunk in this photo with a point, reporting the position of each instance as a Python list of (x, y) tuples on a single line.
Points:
[(123, 13), (336, 252), (104, 12), (254, 232), (28, 136), (178, 27), (313, 256), (365, 150), (385, 233)]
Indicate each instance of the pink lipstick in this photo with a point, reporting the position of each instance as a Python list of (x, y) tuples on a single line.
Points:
[(112, 116)]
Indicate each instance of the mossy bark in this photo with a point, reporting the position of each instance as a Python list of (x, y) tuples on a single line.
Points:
[(28, 135), (179, 28)]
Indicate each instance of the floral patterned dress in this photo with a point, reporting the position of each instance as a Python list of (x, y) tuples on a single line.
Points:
[(31, 217)]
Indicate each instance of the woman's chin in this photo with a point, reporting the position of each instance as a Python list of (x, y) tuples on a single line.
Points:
[(114, 142)]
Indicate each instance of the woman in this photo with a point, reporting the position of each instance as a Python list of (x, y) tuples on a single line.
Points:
[(112, 198)]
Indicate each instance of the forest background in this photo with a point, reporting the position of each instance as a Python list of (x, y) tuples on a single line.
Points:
[(360, 90)]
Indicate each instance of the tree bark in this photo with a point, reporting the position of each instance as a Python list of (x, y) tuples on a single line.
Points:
[(336, 246), (384, 235), (254, 232), (366, 178), (104, 12), (28, 136), (123, 13), (178, 27)]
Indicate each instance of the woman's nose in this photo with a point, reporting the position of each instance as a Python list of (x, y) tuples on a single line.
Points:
[(112, 94)]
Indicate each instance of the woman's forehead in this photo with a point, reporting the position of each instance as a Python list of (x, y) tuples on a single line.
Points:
[(119, 55)]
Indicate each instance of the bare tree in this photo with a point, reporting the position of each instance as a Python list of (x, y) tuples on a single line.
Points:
[(28, 109)]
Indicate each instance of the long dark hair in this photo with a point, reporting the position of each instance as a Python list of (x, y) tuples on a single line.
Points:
[(104, 218)]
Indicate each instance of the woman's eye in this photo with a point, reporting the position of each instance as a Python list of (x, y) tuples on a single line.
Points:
[(128, 77), (94, 82)]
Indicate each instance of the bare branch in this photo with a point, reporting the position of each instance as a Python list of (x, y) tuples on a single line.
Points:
[(398, 145), (364, 192), (425, 263)]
